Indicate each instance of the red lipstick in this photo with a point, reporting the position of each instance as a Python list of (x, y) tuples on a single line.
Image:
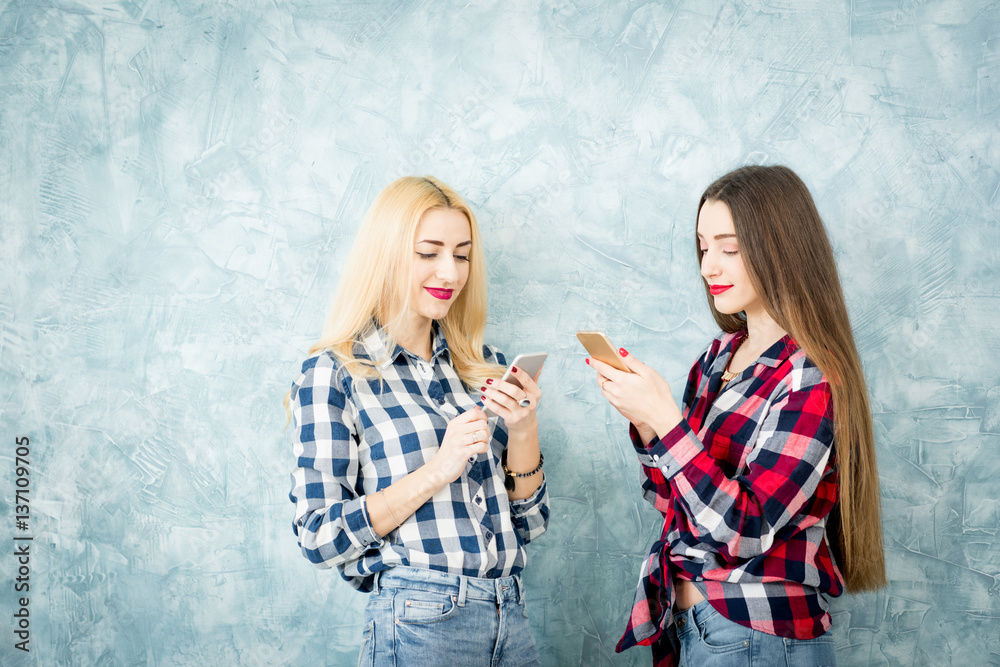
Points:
[(443, 294), (716, 290)]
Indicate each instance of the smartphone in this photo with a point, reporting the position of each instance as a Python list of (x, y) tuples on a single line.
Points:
[(526, 363), (600, 348)]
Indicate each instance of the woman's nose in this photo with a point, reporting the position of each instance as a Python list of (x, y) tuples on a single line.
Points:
[(447, 269), (709, 267)]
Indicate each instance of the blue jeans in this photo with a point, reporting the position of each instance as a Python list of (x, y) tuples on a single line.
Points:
[(422, 617), (709, 639)]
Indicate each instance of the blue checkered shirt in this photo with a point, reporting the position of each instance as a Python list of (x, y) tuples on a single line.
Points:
[(354, 437)]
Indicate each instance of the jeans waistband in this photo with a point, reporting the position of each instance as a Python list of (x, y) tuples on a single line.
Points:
[(462, 587)]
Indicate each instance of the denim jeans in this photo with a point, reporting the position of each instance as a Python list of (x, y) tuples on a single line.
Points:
[(709, 639), (418, 617)]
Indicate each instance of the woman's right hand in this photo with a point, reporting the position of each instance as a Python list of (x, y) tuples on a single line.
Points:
[(643, 397), (467, 436)]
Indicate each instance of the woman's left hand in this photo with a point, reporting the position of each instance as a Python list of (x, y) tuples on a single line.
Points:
[(642, 396), (515, 404)]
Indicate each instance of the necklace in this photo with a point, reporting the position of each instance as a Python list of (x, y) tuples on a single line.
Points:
[(727, 374)]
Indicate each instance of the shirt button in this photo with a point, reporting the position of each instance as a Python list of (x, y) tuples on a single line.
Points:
[(479, 500), (488, 535)]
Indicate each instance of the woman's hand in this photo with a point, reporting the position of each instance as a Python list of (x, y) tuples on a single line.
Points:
[(466, 437), (642, 396), (506, 398), (517, 406)]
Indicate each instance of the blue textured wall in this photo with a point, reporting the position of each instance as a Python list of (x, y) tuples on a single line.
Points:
[(179, 181)]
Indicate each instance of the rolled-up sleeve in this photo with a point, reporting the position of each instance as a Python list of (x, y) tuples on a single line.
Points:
[(331, 519), (530, 515)]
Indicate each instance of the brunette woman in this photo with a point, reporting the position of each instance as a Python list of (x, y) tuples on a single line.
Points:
[(766, 474), (399, 478)]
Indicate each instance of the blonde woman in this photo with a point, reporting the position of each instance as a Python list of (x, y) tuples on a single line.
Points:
[(400, 476), (766, 476)]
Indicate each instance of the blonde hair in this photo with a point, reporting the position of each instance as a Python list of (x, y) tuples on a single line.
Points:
[(374, 287), (790, 264)]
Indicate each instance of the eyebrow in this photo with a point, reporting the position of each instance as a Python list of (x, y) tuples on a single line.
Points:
[(440, 243), (719, 237)]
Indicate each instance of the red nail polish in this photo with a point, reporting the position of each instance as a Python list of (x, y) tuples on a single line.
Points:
[(513, 369), (622, 352), (482, 389), (490, 381), (482, 398), (587, 360)]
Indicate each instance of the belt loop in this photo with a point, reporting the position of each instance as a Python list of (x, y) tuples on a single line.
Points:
[(463, 585), (375, 587), (520, 589)]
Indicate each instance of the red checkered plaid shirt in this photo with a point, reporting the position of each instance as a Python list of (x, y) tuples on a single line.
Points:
[(745, 484)]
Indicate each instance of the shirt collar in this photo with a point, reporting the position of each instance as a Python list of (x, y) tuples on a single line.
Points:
[(783, 348), (373, 346), (773, 356)]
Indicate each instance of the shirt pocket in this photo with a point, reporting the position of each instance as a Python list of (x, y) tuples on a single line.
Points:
[(730, 441), (735, 433)]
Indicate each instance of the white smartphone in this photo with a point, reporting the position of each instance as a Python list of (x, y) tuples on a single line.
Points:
[(526, 363), (601, 348)]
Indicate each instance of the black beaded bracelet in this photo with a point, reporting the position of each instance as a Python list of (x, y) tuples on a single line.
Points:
[(508, 481)]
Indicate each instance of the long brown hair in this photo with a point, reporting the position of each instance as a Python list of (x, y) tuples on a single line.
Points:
[(789, 262)]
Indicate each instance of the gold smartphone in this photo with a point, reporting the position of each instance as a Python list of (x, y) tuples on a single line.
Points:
[(601, 348)]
